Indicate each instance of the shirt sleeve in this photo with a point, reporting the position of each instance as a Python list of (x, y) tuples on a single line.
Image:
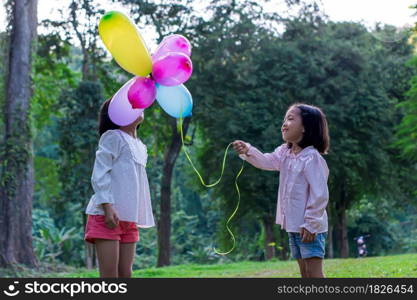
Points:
[(316, 173), (264, 161), (108, 150)]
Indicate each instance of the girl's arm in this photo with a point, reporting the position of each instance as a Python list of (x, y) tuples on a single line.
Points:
[(316, 173), (264, 161), (108, 150)]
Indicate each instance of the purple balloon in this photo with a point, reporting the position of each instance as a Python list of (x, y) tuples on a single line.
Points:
[(120, 110), (172, 69), (172, 43), (142, 92)]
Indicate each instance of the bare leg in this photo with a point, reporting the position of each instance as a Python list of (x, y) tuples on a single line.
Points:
[(127, 254), (314, 267), (302, 266), (108, 257)]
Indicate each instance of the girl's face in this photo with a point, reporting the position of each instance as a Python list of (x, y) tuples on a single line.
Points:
[(292, 129)]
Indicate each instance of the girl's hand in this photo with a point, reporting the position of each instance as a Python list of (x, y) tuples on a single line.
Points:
[(307, 236), (111, 218), (240, 147)]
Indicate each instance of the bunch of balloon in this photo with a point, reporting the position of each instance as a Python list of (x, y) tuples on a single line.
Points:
[(160, 76)]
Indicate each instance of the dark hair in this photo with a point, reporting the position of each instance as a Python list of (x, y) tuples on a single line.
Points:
[(104, 121), (316, 131)]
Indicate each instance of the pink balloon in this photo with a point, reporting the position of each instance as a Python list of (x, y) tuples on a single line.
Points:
[(172, 69), (120, 110), (142, 92), (172, 43)]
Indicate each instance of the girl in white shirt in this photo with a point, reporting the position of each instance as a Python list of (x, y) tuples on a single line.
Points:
[(121, 201), (303, 193)]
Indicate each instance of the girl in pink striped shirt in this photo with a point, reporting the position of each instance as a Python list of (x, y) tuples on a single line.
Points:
[(303, 193)]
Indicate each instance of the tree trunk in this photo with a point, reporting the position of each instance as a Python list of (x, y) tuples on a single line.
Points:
[(86, 66), (164, 222), (16, 188), (330, 248), (82, 39), (90, 260), (343, 242), (89, 249), (90, 256), (284, 245), (270, 241)]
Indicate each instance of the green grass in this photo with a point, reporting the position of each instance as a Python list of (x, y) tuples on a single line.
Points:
[(404, 265)]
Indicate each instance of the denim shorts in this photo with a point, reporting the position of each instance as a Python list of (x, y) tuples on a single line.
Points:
[(307, 250)]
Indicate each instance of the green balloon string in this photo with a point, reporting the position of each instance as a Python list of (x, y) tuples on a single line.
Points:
[(214, 184), (232, 215)]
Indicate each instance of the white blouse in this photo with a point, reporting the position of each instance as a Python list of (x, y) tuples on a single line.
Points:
[(119, 177)]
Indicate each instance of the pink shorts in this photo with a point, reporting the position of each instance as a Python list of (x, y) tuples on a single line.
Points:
[(125, 232)]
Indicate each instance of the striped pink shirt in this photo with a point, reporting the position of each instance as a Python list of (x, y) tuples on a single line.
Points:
[(303, 193)]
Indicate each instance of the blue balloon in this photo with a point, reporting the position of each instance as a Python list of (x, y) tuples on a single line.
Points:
[(174, 100)]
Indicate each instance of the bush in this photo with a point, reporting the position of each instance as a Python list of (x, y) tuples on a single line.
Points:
[(54, 244)]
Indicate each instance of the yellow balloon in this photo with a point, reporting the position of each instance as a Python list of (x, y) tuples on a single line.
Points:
[(125, 43)]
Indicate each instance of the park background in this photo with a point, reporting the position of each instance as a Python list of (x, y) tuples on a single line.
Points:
[(251, 59)]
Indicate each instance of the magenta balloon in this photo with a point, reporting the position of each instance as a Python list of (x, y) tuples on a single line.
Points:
[(142, 92), (172, 43), (120, 110), (172, 69)]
